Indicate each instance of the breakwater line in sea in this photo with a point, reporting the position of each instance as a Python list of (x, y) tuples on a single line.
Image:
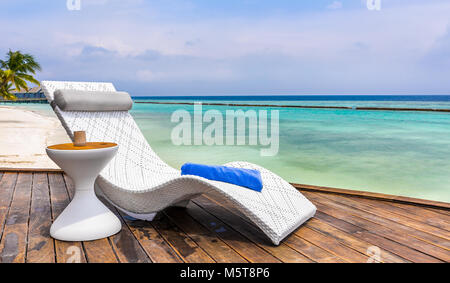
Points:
[(303, 106), (25, 100)]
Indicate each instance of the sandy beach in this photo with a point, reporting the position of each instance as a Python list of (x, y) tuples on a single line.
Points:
[(24, 135)]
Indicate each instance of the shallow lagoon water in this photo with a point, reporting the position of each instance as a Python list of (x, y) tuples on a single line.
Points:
[(392, 152), (400, 153)]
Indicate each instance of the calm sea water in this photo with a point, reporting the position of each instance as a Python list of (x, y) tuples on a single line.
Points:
[(407, 101), (393, 152)]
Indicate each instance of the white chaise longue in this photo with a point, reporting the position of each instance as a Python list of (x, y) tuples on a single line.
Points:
[(140, 184)]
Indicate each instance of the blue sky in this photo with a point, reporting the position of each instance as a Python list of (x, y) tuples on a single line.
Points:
[(246, 47)]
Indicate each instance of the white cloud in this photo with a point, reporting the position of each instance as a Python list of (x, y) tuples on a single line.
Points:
[(354, 50)]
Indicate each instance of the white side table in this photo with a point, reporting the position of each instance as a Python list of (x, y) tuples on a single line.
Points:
[(86, 218)]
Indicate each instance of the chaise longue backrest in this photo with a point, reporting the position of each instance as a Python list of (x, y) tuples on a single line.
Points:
[(135, 161)]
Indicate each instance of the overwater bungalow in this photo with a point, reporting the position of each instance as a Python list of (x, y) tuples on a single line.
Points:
[(33, 95)]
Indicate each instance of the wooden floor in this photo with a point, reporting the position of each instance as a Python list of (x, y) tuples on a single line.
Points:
[(345, 229)]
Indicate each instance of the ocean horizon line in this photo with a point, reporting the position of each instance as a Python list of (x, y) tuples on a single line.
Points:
[(319, 97)]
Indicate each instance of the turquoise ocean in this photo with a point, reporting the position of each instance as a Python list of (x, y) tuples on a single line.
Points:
[(392, 152)]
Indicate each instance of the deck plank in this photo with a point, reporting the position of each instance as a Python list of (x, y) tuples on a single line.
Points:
[(244, 238), (387, 213), (331, 245), (40, 244), (13, 244), (313, 252), (7, 185), (98, 251), (421, 214), (432, 242), (206, 239), (351, 241), (66, 252), (422, 241), (157, 249), (282, 252), (236, 233), (440, 211), (185, 247), (226, 230), (125, 245), (127, 248), (392, 233), (398, 249), (307, 249)]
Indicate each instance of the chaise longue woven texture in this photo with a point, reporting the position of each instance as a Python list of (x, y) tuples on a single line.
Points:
[(140, 184)]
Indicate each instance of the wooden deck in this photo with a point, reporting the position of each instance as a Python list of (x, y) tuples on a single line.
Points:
[(345, 229)]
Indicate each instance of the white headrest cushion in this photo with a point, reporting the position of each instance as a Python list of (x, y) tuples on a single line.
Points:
[(93, 101)]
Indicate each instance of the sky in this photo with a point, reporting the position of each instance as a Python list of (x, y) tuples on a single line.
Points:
[(237, 47)]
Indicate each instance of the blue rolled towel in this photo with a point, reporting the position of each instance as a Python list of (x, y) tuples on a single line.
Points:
[(247, 178)]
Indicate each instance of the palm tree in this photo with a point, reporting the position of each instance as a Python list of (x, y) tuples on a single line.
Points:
[(6, 89), (17, 70)]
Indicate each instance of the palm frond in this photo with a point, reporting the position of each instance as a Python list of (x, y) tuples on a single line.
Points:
[(20, 84), (6, 92), (28, 78), (18, 69)]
